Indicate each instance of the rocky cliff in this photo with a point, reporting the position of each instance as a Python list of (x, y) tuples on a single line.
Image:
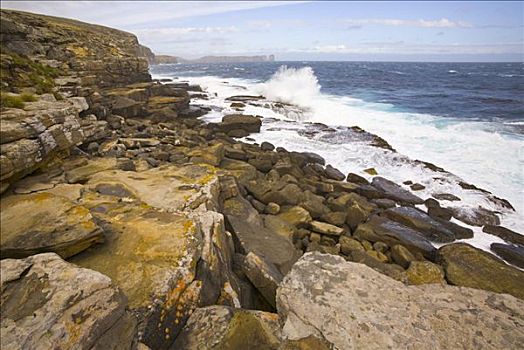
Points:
[(129, 223)]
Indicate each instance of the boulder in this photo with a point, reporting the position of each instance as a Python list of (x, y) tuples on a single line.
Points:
[(446, 197), (44, 222), (249, 123), (325, 228), (266, 146), (279, 226), (420, 221), (513, 254), (504, 233), (476, 216), (290, 194), (424, 272), (396, 192), (48, 303), (226, 328), (392, 233), (297, 216), (347, 244), (333, 173), (313, 158), (471, 267), (351, 306), (401, 255), (371, 259), (356, 179), (264, 276)]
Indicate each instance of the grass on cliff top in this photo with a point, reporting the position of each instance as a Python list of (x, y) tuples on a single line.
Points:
[(14, 101), (19, 72)]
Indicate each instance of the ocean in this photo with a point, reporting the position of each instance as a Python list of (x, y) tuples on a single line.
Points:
[(467, 118)]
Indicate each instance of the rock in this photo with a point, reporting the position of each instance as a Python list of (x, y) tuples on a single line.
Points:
[(332, 173), (357, 179), (431, 203), (48, 303), (504, 233), (264, 276), (513, 254), (272, 208), (358, 210), (248, 123), (345, 303), (266, 146), (314, 204), (325, 228), (471, 267), (50, 223), (445, 197), (313, 158), (337, 218), (127, 107), (476, 216), (420, 221), (279, 226), (392, 233), (440, 213), (384, 203), (424, 272), (393, 191), (348, 244), (263, 165), (372, 260), (226, 328), (370, 171), (417, 187), (297, 216), (252, 236), (380, 247), (401, 255), (290, 194)]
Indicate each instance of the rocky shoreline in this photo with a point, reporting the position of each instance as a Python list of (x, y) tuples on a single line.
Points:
[(129, 223)]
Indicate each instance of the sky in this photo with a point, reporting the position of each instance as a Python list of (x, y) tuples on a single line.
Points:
[(300, 30)]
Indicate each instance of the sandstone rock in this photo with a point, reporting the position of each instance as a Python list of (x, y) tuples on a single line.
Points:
[(514, 254), (370, 171), (279, 226), (266, 146), (220, 327), (346, 303), (297, 216), (49, 223), (313, 158), (445, 197), (272, 208), (48, 303), (248, 123), (417, 187), (290, 194), (420, 221), (372, 260), (471, 267), (264, 276), (357, 179), (358, 210), (424, 272), (347, 244), (504, 233), (392, 233), (401, 255), (334, 218), (333, 173), (440, 213), (476, 216), (325, 228), (393, 191)]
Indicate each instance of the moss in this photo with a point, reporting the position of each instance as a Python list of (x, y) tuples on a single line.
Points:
[(18, 71), (10, 101), (28, 97)]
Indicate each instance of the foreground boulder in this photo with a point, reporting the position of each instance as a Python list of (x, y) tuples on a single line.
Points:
[(471, 267), (43, 222), (353, 307), (238, 124), (514, 254), (48, 303)]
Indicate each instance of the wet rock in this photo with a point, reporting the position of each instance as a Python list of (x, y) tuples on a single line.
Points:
[(513, 254), (440, 213), (431, 203), (392, 233), (50, 223), (226, 328), (49, 303), (248, 123), (393, 191), (333, 173), (313, 158), (476, 216), (471, 267), (424, 272), (420, 221), (446, 197), (370, 171), (384, 203), (264, 276), (417, 187), (344, 303), (504, 233), (357, 179), (266, 146)]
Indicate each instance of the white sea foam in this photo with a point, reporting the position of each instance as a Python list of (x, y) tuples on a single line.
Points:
[(474, 151)]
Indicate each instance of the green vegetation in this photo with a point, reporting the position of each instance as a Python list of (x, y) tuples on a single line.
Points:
[(28, 97), (10, 101), (18, 72)]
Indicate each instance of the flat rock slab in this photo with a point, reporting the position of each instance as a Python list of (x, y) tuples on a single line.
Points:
[(396, 192), (354, 307), (392, 233), (48, 303), (44, 222), (264, 276), (471, 267), (225, 328), (514, 254)]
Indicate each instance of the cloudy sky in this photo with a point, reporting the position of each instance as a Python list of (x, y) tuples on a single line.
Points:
[(394, 31)]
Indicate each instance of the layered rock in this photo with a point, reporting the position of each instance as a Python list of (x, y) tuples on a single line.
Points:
[(49, 303), (353, 307)]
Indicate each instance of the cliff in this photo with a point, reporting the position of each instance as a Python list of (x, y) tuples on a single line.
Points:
[(129, 223)]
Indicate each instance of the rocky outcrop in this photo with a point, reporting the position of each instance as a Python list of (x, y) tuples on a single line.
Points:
[(48, 303), (471, 267), (353, 307)]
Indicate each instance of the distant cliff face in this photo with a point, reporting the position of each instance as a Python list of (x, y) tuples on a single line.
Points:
[(102, 56)]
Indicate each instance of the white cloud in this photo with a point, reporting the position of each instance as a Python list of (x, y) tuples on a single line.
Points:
[(422, 23), (172, 34)]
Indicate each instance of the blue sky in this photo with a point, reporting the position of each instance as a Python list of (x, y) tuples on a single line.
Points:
[(384, 30)]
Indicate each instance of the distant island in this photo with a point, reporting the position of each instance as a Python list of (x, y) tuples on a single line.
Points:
[(167, 59)]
